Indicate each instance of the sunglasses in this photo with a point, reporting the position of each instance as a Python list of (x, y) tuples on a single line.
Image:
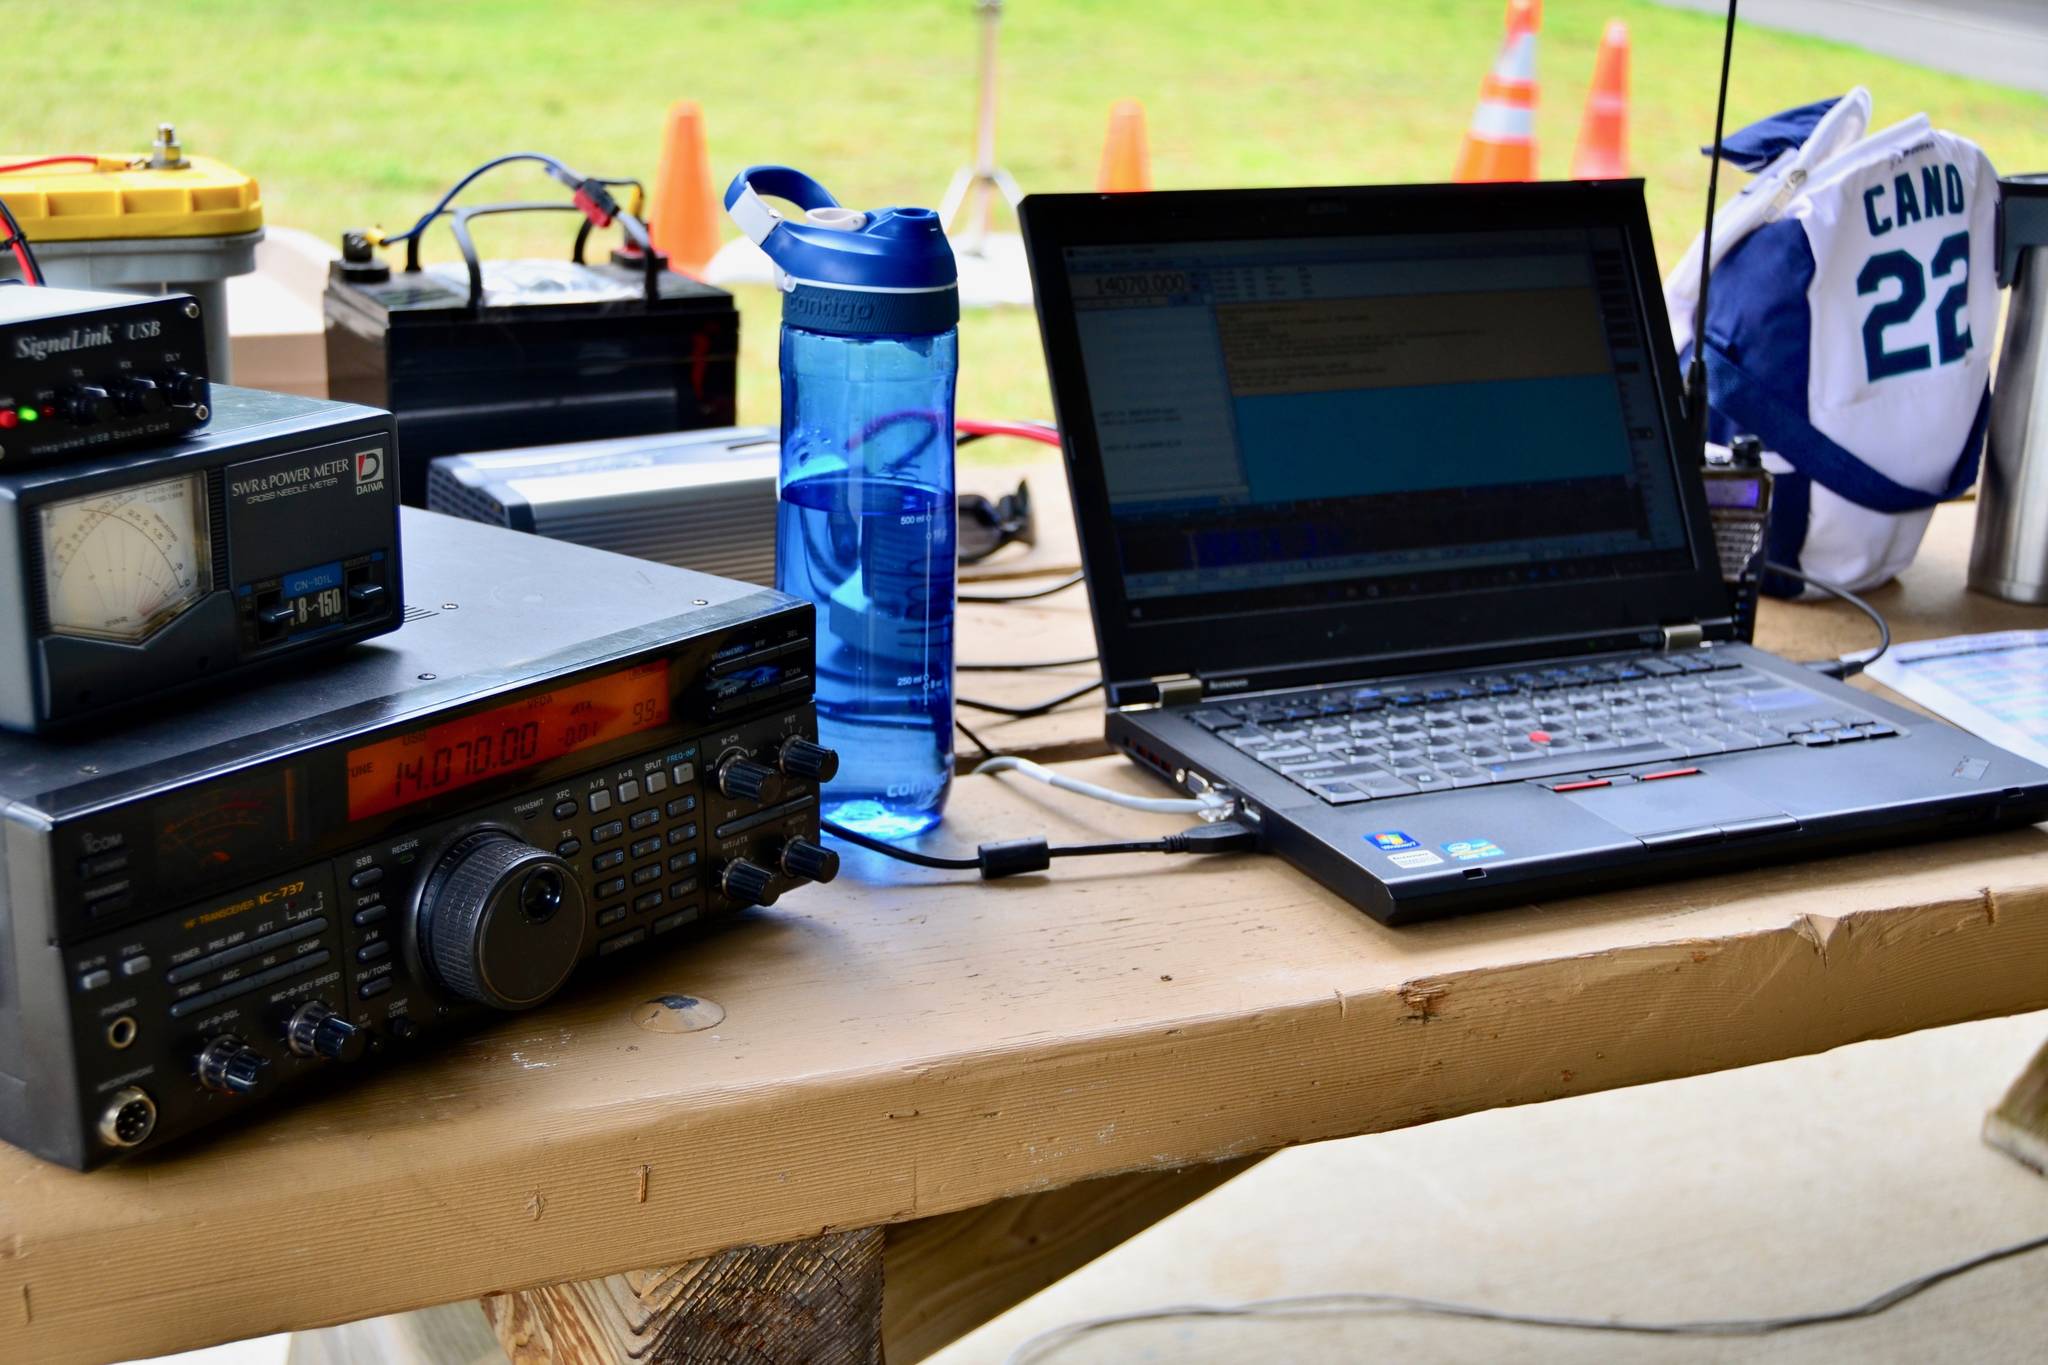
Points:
[(986, 527)]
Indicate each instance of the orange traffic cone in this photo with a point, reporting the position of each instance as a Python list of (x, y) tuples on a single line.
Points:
[(685, 217), (1501, 144), (1534, 18), (1126, 165), (1602, 153)]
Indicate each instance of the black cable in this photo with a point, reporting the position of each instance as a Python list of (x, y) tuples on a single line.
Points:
[(1000, 858), (556, 168), (1331, 1305), (17, 242), (1050, 704), (997, 599), (1843, 667), (1075, 662), (976, 740)]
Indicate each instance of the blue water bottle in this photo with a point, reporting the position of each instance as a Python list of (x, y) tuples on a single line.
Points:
[(865, 527)]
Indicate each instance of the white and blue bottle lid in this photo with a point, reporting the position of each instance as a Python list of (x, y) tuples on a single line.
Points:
[(883, 272)]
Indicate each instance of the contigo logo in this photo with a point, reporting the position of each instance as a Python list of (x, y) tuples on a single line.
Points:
[(77, 339), (823, 307)]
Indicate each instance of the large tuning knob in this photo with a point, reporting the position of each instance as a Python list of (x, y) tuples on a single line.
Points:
[(748, 883), (232, 1067), (501, 921), (317, 1031), (742, 779), (800, 757)]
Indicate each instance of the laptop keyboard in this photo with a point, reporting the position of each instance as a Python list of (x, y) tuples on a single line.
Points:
[(1350, 744)]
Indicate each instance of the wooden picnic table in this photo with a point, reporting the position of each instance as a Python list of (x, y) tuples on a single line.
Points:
[(928, 1096)]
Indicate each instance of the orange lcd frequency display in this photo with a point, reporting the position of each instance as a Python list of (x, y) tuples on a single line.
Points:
[(397, 772)]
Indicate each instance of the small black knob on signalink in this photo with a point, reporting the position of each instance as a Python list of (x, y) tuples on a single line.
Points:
[(742, 779), (800, 757), (748, 883), (231, 1067), (317, 1031), (809, 862), (139, 397), (87, 405), (186, 390)]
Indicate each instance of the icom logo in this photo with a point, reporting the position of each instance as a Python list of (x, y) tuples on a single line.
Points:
[(369, 471)]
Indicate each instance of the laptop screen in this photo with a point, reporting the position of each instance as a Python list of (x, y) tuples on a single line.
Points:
[(1290, 421)]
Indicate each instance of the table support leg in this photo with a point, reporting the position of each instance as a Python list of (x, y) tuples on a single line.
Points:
[(816, 1300), (2019, 1125)]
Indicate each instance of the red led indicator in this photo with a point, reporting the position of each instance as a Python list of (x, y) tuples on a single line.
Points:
[(8, 420)]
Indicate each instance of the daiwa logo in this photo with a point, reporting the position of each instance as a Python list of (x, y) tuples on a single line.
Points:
[(77, 339), (836, 308), (369, 471)]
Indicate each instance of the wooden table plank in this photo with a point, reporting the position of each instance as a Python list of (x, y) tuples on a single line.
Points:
[(907, 1044)]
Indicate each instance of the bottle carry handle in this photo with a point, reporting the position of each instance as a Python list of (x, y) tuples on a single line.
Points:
[(744, 199)]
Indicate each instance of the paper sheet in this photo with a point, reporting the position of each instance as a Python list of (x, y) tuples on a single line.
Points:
[(1995, 686)]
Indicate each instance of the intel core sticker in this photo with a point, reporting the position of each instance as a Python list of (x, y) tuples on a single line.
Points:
[(1413, 857), (1471, 850), (1387, 840)]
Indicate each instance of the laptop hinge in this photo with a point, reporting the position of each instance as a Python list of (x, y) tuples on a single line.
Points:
[(1178, 689), (1689, 635)]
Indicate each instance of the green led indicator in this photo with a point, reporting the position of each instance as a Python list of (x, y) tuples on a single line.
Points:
[(30, 415)]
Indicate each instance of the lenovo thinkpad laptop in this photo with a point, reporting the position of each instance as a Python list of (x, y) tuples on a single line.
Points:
[(1391, 528)]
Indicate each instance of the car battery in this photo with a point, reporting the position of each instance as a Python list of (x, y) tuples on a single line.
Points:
[(486, 354), (159, 222)]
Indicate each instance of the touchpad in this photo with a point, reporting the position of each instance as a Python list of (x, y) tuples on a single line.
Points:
[(1674, 803)]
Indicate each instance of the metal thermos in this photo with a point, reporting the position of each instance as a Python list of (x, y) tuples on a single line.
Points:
[(2009, 557)]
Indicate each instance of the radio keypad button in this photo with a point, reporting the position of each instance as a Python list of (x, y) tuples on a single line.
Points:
[(600, 801), (608, 831), (605, 862), (629, 792), (683, 773), (564, 809), (611, 914), (374, 952), (94, 979), (611, 886), (370, 990), (682, 834), (657, 782), (134, 966), (675, 921), (642, 819), (647, 901), (366, 878), (569, 848), (644, 875), (678, 861), (686, 887), (370, 914), (625, 940), (643, 847), (106, 864), (682, 805)]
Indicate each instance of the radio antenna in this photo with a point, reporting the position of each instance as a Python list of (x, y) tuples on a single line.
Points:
[(1696, 373)]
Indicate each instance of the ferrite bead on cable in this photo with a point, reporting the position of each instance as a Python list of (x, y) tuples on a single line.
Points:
[(1009, 857)]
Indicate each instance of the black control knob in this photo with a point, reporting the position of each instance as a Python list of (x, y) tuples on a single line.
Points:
[(742, 779), (809, 862), (317, 1031), (800, 757), (187, 390), (87, 405), (139, 397), (748, 883), (232, 1067), (501, 921)]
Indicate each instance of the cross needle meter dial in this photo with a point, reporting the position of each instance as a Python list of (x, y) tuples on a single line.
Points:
[(122, 564)]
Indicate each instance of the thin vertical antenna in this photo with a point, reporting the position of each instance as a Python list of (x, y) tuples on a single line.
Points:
[(1696, 373)]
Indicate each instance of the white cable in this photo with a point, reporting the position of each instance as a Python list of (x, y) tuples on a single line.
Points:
[(1209, 804)]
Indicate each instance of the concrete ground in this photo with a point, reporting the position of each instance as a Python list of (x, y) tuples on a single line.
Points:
[(1801, 1185), (2005, 41)]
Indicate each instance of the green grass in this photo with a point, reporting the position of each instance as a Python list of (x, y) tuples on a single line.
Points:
[(352, 114)]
